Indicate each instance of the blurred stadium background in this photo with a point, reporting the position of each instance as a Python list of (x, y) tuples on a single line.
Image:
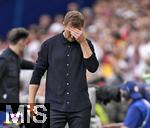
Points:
[(119, 30)]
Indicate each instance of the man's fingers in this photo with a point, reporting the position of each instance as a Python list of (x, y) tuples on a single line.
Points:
[(33, 110), (32, 107), (80, 32), (74, 32), (76, 36), (75, 29)]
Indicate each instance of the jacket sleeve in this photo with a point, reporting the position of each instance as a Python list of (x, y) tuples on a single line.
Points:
[(41, 64), (91, 63), (25, 64), (2, 66)]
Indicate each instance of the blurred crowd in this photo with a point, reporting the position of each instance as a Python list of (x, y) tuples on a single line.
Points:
[(119, 31)]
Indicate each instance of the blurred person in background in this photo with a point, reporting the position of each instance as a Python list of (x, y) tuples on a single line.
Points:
[(138, 114), (88, 14), (55, 28), (73, 6), (1, 46), (59, 18), (44, 22), (66, 56), (10, 64), (144, 53), (31, 51)]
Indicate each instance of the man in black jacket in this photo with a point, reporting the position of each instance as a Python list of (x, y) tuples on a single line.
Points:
[(66, 57), (10, 65)]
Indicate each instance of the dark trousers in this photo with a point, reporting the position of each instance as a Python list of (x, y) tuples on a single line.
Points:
[(79, 119)]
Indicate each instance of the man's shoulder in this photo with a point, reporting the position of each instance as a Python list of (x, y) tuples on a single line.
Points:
[(137, 105), (5, 54), (134, 103)]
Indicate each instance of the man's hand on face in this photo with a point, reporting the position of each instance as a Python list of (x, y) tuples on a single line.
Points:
[(78, 34)]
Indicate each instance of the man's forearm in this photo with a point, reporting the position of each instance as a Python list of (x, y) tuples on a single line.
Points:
[(32, 93), (87, 52)]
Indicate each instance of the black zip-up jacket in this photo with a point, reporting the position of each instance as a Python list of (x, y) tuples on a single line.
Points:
[(10, 65)]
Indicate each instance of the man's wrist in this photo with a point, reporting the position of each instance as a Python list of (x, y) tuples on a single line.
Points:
[(31, 101), (84, 42)]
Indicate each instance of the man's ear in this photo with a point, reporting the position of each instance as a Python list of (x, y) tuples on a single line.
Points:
[(63, 24)]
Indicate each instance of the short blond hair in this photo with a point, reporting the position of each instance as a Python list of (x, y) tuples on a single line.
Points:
[(74, 18)]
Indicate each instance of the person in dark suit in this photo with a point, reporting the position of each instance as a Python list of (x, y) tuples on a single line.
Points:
[(66, 57), (10, 64)]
